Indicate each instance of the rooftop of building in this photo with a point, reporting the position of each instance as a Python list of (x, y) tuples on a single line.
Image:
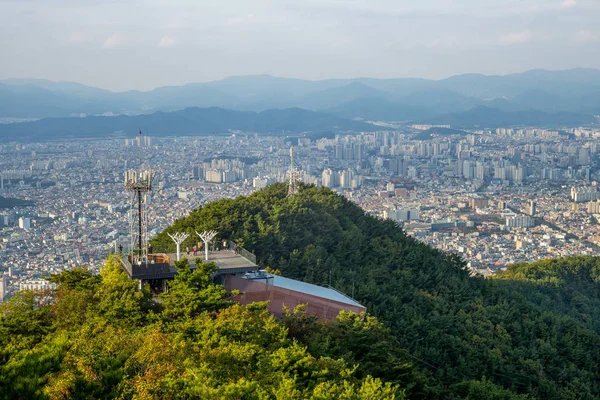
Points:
[(313, 290)]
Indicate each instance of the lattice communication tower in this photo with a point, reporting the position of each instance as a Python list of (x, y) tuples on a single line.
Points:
[(139, 185), (293, 175)]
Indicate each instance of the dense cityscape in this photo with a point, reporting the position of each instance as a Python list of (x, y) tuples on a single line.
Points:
[(495, 197)]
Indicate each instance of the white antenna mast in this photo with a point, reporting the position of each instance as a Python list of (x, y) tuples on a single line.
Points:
[(293, 174), (206, 237), (178, 238)]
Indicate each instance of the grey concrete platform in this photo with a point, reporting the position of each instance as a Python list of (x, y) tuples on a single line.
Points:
[(225, 259), (162, 266)]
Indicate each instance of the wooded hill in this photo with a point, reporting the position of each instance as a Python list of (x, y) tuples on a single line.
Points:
[(532, 332), (101, 337), (432, 331)]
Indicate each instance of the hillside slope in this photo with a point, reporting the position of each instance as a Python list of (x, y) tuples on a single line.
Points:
[(514, 337), (101, 337)]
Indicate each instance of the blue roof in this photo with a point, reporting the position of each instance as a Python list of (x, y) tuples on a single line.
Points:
[(311, 289)]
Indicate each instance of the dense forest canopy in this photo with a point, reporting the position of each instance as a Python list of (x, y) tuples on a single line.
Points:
[(102, 337), (532, 332)]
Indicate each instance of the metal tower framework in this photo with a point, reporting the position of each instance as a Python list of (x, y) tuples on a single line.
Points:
[(139, 185), (206, 237), (293, 175), (178, 238)]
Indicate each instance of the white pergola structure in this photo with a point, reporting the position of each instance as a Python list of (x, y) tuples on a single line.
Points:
[(206, 237), (178, 238)]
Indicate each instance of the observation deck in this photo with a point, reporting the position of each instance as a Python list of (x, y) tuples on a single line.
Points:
[(162, 265)]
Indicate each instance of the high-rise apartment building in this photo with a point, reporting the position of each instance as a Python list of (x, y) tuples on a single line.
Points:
[(3, 287), (24, 223), (521, 221), (532, 208), (584, 194), (402, 214), (330, 178)]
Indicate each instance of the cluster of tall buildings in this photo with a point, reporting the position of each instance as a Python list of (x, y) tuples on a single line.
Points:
[(402, 214), (593, 207), (223, 171), (520, 221), (38, 284), (584, 194), (139, 141), (261, 183), (16, 174), (506, 171), (470, 169), (24, 223), (346, 179), (349, 151), (531, 132)]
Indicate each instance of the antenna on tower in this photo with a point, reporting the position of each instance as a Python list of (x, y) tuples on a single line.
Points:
[(206, 237), (178, 238), (293, 175), (77, 256), (139, 184)]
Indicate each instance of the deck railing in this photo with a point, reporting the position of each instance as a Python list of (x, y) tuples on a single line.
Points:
[(231, 245), (127, 265)]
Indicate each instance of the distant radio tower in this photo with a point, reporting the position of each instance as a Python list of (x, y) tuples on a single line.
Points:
[(293, 175), (139, 184), (77, 257)]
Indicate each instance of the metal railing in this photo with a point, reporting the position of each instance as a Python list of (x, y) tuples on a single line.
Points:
[(231, 245), (127, 265)]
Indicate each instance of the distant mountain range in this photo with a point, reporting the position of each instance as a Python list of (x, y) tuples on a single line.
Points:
[(214, 120), (190, 121), (485, 117), (268, 104), (575, 90)]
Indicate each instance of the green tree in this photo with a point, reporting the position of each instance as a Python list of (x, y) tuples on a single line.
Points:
[(192, 292)]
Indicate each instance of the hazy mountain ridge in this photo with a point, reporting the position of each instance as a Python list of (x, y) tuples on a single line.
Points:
[(190, 121), (196, 121), (485, 117), (378, 109), (575, 90)]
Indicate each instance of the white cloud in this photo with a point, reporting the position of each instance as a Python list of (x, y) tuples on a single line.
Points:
[(115, 40), (177, 22), (584, 37), (444, 42), (568, 3), (246, 20), (167, 41), (515, 38), (77, 38)]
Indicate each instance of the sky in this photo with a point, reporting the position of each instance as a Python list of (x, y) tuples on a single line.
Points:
[(129, 44)]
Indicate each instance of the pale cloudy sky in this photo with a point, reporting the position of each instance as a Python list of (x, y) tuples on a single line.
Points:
[(130, 44)]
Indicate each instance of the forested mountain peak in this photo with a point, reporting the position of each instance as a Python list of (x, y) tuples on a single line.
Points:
[(431, 331), (525, 333)]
